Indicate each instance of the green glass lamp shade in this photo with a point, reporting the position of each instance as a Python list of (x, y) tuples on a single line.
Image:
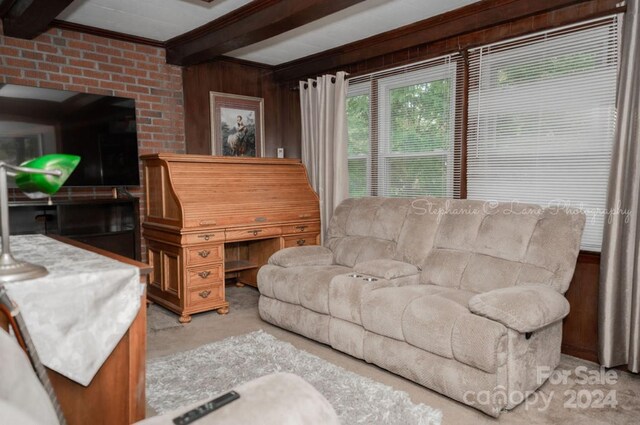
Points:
[(41, 185)]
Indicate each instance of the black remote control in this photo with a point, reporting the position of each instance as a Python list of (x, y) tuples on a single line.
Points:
[(205, 409)]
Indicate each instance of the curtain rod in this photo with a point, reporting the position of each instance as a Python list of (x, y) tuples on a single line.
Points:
[(315, 84)]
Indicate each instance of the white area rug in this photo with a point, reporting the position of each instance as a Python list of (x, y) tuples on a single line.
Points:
[(212, 369)]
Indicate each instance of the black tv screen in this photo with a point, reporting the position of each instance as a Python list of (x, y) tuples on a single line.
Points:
[(100, 129)]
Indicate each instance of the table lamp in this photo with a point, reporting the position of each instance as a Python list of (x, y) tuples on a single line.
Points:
[(37, 178)]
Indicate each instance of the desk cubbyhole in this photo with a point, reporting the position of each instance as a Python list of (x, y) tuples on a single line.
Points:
[(243, 259)]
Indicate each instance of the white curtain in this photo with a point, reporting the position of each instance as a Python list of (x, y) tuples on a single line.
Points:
[(324, 140), (619, 307)]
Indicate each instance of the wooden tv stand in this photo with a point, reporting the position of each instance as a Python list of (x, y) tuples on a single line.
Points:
[(210, 217)]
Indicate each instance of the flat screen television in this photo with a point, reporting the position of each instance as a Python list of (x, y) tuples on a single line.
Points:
[(100, 129)]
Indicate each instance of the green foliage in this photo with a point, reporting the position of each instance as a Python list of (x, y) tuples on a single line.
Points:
[(358, 177), (546, 68), (358, 124), (407, 177), (420, 117)]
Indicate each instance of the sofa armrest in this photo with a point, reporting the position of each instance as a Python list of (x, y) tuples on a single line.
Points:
[(523, 308), (386, 269), (302, 256)]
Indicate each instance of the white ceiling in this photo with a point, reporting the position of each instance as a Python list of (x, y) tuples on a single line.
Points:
[(164, 19), (154, 19)]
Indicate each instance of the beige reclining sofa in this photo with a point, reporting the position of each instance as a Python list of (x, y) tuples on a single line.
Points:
[(462, 297)]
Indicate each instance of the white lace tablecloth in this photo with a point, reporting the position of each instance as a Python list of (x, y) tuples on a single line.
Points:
[(78, 313)]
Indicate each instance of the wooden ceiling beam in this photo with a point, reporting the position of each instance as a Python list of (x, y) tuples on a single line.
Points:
[(249, 24), (29, 18), (5, 5), (474, 17)]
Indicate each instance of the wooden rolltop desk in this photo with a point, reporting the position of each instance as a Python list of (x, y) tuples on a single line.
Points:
[(210, 217)]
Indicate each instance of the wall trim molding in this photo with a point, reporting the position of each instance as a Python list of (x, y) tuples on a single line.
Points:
[(87, 29)]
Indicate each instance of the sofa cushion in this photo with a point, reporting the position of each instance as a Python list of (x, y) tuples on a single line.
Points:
[(436, 319), (302, 256), (386, 269), (351, 250), (314, 288), (481, 246), (366, 229), (555, 244), (419, 229), (306, 285), (523, 308), (479, 342), (377, 217), (444, 267), (485, 273), (382, 309), (428, 321)]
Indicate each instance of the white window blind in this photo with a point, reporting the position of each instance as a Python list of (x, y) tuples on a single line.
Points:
[(406, 143), (542, 120), (359, 143)]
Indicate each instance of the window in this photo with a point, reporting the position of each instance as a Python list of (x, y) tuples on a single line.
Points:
[(358, 125), (540, 124), (402, 134), (542, 120)]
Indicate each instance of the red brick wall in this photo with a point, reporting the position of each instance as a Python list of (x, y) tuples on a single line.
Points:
[(69, 60)]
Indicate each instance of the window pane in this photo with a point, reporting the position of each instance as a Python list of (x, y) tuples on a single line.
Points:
[(409, 177), (402, 136), (358, 177), (358, 124), (542, 119), (420, 117)]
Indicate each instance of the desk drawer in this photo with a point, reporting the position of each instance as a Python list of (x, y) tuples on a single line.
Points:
[(301, 240), (205, 254), (204, 275), (254, 233), (206, 294), (206, 237), (301, 228)]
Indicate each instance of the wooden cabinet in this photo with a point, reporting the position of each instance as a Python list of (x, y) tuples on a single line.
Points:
[(116, 395), (213, 218)]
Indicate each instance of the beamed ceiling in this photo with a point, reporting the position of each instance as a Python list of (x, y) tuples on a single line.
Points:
[(291, 36)]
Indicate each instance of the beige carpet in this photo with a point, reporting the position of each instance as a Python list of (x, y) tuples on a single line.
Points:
[(164, 339), (219, 366)]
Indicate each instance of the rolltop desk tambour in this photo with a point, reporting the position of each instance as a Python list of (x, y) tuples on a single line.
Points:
[(208, 217)]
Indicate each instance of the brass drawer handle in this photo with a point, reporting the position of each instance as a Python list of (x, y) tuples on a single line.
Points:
[(205, 237), (204, 253), (204, 274), (205, 294), (301, 242), (254, 232), (301, 228)]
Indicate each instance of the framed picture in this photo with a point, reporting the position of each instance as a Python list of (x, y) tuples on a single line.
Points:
[(237, 125)]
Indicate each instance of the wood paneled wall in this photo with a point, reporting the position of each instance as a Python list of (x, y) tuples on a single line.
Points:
[(281, 105), (580, 328)]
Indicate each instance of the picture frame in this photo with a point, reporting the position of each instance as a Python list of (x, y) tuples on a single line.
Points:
[(237, 125)]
